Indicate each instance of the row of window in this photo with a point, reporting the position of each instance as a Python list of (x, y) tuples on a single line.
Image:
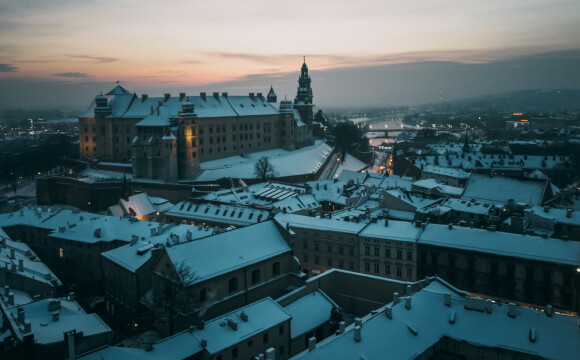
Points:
[(233, 285)]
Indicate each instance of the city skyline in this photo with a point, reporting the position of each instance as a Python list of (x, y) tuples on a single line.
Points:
[(80, 47)]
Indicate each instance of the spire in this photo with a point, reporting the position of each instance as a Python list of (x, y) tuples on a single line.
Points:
[(272, 97)]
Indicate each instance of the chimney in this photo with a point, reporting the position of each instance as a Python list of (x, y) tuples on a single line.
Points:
[(4, 243), (144, 97), (201, 325), (71, 296), (70, 337), (189, 235), (27, 326), (488, 306), (395, 297), (203, 96), (386, 222), (98, 232), (11, 298), (203, 343), (450, 226), (225, 94), (134, 239), (216, 95), (181, 96), (357, 336), (546, 209), (341, 327), (569, 213), (12, 254), (408, 290), (260, 96), (53, 305), (533, 335), (408, 302), (55, 315), (447, 299), (166, 96), (358, 322), (549, 310), (271, 354), (21, 265), (252, 96), (389, 312), (21, 315), (312, 344), (6, 290), (512, 310), (233, 324), (244, 316)]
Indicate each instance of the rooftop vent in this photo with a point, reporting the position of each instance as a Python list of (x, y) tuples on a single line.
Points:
[(357, 335), (512, 310), (244, 316), (408, 302), (233, 324)]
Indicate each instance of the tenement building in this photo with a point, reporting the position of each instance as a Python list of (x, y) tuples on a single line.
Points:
[(168, 137)]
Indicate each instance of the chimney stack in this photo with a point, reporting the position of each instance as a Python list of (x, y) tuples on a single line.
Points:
[(21, 315), (312, 344), (447, 299), (167, 96), (408, 302), (21, 265), (341, 327), (395, 297), (55, 315), (569, 213), (271, 354), (357, 335), (512, 310)]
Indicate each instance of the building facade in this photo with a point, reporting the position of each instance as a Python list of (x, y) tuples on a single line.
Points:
[(168, 137)]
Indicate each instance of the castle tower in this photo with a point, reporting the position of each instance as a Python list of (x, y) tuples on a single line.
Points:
[(272, 97), (303, 100), (188, 152)]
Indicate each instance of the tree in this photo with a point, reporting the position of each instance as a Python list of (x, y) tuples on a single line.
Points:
[(175, 297), (264, 169)]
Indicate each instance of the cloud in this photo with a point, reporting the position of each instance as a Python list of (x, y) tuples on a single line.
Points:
[(97, 59), (7, 68), (72, 75)]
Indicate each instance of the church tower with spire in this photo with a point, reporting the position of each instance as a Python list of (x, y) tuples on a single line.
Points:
[(303, 100)]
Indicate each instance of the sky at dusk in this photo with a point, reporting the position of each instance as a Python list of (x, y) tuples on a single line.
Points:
[(71, 49)]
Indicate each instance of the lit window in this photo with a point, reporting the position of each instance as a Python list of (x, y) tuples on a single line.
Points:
[(60, 252)]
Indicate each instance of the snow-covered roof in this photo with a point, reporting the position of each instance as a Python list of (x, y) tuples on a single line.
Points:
[(49, 218), (32, 266), (500, 189), (238, 215), (71, 317), (431, 184), (309, 312), (245, 246), (446, 171), (502, 243), (558, 216), (468, 206), (134, 255), (319, 224), (105, 229), (306, 160), (408, 333), (395, 230), (262, 315)]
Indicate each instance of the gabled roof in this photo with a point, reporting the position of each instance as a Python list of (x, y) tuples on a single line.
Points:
[(119, 90)]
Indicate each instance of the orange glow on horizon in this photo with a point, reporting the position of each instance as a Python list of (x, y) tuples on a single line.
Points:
[(518, 114)]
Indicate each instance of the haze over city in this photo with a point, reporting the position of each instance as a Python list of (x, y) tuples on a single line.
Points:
[(364, 53)]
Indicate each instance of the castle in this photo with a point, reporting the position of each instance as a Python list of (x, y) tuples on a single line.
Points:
[(168, 137)]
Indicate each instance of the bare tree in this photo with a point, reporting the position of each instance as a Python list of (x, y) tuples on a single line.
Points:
[(264, 169), (175, 297)]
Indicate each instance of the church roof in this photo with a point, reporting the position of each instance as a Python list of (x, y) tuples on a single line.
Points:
[(119, 90)]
